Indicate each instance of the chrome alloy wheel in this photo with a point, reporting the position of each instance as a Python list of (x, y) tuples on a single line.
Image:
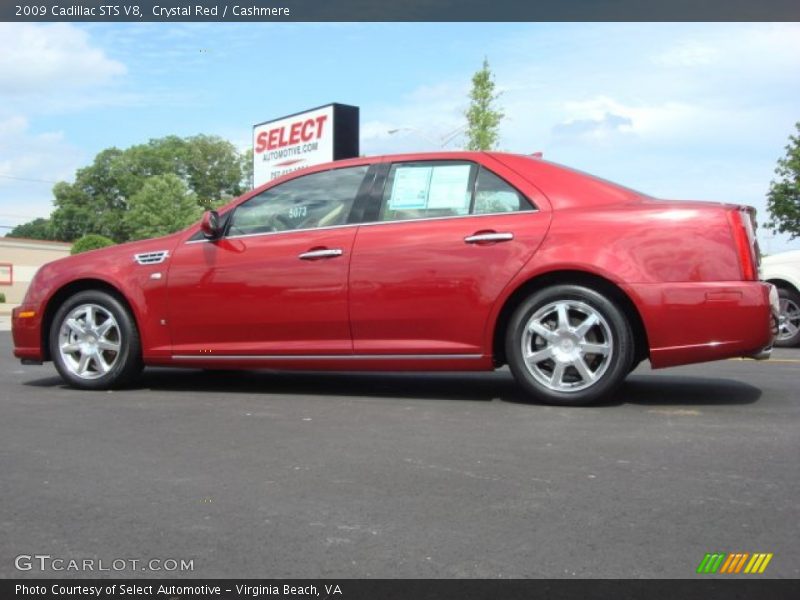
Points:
[(567, 345), (89, 341), (789, 320)]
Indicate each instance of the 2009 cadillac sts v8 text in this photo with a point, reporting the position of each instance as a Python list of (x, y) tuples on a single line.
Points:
[(447, 261)]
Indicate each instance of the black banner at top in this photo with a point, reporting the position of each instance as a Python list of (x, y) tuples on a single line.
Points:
[(397, 10)]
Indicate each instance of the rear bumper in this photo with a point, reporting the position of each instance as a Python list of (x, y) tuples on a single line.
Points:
[(697, 322), (775, 310)]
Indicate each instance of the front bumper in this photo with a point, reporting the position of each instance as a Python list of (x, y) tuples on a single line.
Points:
[(26, 331)]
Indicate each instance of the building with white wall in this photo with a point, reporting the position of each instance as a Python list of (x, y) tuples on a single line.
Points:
[(20, 258)]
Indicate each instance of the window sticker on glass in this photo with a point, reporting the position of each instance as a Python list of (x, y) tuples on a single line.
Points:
[(410, 188), (449, 188)]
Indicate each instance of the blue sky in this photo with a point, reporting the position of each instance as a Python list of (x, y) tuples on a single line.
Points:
[(699, 111)]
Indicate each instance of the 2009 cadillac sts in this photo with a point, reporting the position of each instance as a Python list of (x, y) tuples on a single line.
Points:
[(448, 261)]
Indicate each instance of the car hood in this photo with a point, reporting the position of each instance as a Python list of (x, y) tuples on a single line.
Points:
[(791, 257), (119, 252)]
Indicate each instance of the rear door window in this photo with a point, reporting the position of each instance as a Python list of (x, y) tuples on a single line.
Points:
[(423, 190), (440, 189)]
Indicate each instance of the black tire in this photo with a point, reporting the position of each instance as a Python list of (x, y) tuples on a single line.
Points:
[(790, 305), (610, 363), (123, 365)]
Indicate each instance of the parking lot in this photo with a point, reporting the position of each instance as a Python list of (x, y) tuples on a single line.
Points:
[(263, 474)]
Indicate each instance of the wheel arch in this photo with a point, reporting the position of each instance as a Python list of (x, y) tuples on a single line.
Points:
[(70, 289), (573, 277)]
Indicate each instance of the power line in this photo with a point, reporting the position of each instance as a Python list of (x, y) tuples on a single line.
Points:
[(16, 216), (27, 179)]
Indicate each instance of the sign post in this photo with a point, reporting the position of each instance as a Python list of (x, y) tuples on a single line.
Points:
[(301, 140)]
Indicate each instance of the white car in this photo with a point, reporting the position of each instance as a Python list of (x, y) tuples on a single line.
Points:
[(783, 270)]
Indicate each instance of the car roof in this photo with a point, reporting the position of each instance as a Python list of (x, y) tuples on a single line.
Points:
[(563, 186)]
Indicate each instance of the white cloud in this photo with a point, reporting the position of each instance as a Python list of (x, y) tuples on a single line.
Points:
[(688, 54), (601, 116), (29, 164), (45, 156), (601, 128), (44, 67), (48, 59), (425, 118), (764, 49)]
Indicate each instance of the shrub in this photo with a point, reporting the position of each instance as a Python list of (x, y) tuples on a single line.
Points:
[(2, 298), (90, 242)]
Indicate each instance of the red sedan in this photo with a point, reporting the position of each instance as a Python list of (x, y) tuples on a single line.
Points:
[(448, 262)]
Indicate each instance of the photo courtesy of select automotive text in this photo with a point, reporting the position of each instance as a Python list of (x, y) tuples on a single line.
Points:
[(431, 300)]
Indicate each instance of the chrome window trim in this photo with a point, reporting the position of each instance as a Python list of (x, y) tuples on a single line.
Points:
[(249, 235), (370, 224), (325, 356), (497, 214)]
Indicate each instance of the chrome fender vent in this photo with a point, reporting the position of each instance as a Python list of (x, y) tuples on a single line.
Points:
[(151, 258)]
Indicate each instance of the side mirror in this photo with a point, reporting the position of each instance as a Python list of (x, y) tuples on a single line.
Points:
[(210, 225)]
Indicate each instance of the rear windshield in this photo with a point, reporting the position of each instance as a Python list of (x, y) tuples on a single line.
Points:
[(594, 177)]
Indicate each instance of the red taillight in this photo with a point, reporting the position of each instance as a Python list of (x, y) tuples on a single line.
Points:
[(743, 228)]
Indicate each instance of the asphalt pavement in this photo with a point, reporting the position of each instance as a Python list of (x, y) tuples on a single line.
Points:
[(262, 474)]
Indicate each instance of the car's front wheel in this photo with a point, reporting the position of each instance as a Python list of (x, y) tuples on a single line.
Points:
[(569, 345), (789, 328), (94, 342)]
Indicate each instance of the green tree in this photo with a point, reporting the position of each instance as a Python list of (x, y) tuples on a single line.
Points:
[(90, 242), (163, 205), (98, 200), (210, 166), (95, 202), (38, 229), (247, 169), (783, 198), (483, 116), (215, 170)]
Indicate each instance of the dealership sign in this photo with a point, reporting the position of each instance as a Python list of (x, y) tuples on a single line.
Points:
[(304, 139)]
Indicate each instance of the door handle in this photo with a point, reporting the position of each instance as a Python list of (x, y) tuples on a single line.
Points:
[(488, 236), (321, 253)]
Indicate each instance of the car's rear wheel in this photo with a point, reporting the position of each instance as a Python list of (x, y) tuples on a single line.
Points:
[(789, 328), (94, 342), (569, 345)]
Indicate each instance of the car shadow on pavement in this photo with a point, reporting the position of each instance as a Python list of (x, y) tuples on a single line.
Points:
[(671, 390), (640, 389)]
